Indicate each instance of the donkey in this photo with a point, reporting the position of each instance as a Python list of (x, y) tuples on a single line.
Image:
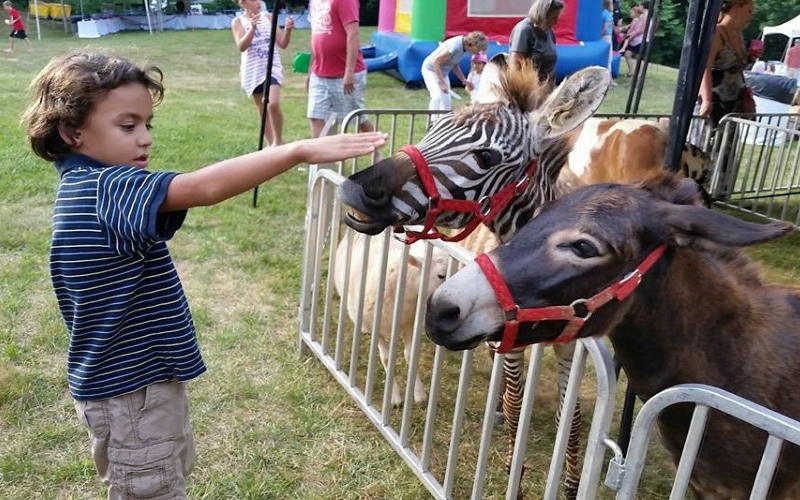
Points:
[(700, 313), (498, 159)]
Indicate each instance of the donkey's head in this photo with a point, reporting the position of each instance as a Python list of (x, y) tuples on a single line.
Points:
[(585, 245), (478, 150)]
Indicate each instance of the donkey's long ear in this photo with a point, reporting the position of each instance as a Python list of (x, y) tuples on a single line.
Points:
[(571, 103), (703, 228)]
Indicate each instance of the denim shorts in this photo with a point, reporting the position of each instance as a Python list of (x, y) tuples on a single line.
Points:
[(259, 89)]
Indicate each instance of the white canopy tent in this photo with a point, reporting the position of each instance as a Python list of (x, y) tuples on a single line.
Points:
[(790, 28)]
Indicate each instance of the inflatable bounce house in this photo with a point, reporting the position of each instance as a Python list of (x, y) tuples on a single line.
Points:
[(409, 30)]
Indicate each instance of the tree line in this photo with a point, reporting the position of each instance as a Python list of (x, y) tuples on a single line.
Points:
[(668, 37), (672, 24)]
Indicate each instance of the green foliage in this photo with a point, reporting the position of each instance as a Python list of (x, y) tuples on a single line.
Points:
[(369, 12), (672, 25), (218, 5), (669, 35)]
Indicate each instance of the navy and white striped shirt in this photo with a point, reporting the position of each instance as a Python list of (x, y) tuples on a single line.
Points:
[(117, 288)]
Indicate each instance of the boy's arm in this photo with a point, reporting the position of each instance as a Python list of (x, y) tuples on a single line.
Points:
[(225, 179)]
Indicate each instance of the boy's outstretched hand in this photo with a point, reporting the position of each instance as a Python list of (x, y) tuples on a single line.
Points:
[(339, 147), (227, 178)]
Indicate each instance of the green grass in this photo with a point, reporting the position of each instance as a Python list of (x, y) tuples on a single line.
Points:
[(269, 423)]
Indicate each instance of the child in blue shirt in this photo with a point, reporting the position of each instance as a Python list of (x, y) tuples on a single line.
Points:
[(132, 343)]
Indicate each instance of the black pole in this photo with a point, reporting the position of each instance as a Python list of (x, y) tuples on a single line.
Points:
[(700, 24), (267, 86), (632, 106), (694, 54), (626, 419), (642, 60)]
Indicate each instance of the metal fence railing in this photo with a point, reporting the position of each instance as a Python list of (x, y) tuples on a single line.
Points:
[(757, 166), (779, 428), (446, 427)]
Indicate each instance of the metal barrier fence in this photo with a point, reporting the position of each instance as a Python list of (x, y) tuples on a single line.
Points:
[(352, 358), (444, 441), (779, 428), (757, 165)]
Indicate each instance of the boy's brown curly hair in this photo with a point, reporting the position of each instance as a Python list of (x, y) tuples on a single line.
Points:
[(67, 89)]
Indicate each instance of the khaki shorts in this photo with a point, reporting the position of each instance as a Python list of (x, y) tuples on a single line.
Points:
[(142, 442)]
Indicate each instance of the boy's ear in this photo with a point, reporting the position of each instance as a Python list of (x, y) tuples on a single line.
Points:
[(69, 135)]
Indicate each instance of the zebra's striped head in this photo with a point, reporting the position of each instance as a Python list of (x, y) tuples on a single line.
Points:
[(479, 150)]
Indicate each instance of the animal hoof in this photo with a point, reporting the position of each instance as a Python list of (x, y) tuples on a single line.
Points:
[(499, 419)]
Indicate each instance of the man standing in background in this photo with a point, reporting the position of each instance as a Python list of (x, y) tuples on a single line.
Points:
[(338, 76)]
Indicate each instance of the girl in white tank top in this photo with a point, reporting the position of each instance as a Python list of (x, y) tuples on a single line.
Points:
[(251, 32)]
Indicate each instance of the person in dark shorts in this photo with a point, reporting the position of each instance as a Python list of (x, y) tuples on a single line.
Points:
[(17, 28), (133, 347), (634, 38)]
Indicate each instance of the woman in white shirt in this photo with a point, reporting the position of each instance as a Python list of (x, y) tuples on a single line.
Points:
[(436, 67)]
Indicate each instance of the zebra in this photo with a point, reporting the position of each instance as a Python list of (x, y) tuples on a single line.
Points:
[(515, 136)]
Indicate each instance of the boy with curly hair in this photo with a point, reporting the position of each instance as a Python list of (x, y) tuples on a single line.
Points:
[(132, 341)]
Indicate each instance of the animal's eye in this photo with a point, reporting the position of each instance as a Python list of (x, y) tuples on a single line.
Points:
[(584, 249), (488, 157), (441, 276)]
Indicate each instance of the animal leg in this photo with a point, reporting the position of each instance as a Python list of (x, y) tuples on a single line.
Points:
[(499, 417), (700, 493), (383, 349), (420, 396), (564, 354), (512, 398)]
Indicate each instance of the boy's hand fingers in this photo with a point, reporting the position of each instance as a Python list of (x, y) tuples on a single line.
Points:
[(366, 143)]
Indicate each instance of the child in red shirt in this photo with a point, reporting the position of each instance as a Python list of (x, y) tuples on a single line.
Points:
[(17, 28)]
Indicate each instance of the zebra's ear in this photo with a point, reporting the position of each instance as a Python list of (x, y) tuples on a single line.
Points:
[(570, 104)]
